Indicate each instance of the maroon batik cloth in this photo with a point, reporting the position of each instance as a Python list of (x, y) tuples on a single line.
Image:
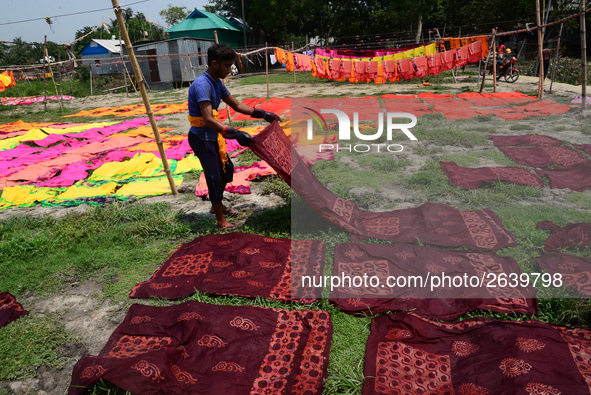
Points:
[(584, 147), (445, 301), (431, 223), (544, 156), (530, 140), (471, 178), (407, 354), (573, 236), (237, 264), (198, 348), (574, 271), (576, 178), (10, 309)]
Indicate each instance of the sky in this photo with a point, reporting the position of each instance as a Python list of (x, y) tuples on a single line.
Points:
[(32, 26)]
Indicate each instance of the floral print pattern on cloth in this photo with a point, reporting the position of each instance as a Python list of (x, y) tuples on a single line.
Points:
[(522, 359), (287, 352), (239, 264)]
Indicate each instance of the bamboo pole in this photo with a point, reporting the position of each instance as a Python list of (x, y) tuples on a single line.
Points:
[(267, 69), (123, 65), (59, 99), (494, 31), (215, 35), (90, 72), (541, 58), (44, 76), (555, 63), (583, 57), (494, 65), (294, 77), (136, 71)]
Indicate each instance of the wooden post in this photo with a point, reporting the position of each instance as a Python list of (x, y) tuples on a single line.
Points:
[(59, 71), (123, 65), (494, 31), (555, 63), (90, 65), (583, 56), (453, 74), (59, 99), (494, 65), (140, 78), (44, 76), (267, 69), (294, 77), (541, 62)]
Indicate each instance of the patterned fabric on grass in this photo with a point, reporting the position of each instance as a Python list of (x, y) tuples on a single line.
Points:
[(531, 140), (574, 271), (431, 223), (471, 178), (237, 264), (10, 309), (198, 348), (577, 177), (405, 261), (407, 354), (544, 156), (573, 236)]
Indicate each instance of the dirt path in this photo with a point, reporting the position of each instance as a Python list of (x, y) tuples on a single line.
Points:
[(88, 316)]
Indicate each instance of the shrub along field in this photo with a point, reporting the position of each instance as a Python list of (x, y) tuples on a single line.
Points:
[(120, 244)]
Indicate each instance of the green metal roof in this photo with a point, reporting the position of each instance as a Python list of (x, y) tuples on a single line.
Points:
[(203, 20)]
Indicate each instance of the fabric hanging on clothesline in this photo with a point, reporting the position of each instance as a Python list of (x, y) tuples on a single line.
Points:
[(574, 271), (431, 223), (382, 263), (471, 178), (577, 177), (406, 353), (238, 264), (201, 348), (10, 309), (572, 235)]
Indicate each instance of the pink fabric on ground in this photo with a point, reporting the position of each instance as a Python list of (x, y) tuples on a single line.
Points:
[(19, 150), (242, 175), (101, 133), (70, 174)]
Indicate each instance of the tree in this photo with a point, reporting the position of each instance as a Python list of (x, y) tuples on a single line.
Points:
[(173, 15)]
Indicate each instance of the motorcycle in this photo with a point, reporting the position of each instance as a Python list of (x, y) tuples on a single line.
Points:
[(505, 68)]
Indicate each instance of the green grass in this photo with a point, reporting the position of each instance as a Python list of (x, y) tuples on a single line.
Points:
[(581, 199), (30, 342)]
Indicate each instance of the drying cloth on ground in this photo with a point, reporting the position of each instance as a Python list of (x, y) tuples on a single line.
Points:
[(185, 165), (405, 103), (577, 177), (10, 309), (19, 150), (532, 140), (131, 110), (382, 263), (69, 175), (407, 354), (544, 156), (495, 99), (574, 271), (449, 106), (237, 116), (195, 347), (141, 165), (242, 175), (238, 264), (145, 187), (471, 178), (573, 236), (540, 108), (83, 192), (584, 147), (431, 223)]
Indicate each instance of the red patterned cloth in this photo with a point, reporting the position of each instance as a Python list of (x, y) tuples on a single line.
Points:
[(198, 348), (431, 223), (388, 265), (577, 177), (574, 271), (237, 264), (471, 178), (584, 147), (10, 309), (407, 354), (573, 236), (532, 140), (544, 156)]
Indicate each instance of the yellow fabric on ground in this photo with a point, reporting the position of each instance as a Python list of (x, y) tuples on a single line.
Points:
[(83, 189), (25, 195), (141, 165), (185, 165), (147, 187), (32, 134)]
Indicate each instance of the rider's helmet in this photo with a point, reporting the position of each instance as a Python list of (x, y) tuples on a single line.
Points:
[(508, 51)]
